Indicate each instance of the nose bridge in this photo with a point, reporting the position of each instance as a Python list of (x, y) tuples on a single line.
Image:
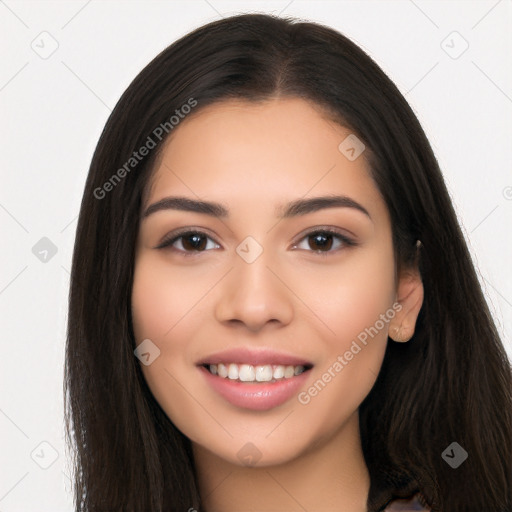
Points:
[(252, 293)]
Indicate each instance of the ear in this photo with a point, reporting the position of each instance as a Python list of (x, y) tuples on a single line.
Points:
[(410, 297)]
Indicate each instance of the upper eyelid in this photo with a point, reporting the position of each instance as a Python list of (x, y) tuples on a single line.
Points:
[(170, 239)]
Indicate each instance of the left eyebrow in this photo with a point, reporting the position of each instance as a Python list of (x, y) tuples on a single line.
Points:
[(313, 204), (291, 209)]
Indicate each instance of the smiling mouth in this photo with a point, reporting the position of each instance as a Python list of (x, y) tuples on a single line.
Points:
[(255, 374)]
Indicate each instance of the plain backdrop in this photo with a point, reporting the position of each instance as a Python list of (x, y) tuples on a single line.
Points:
[(64, 66)]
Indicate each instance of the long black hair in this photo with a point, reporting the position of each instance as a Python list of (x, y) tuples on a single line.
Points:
[(450, 383)]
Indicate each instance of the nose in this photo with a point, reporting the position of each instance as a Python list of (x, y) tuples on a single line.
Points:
[(254, 295)]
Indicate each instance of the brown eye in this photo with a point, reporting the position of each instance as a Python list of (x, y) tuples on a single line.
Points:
[(322, 241), (190, 242), (193, 241), (319, 242)]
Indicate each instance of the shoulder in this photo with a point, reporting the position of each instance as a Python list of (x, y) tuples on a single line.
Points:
[(415, 503)]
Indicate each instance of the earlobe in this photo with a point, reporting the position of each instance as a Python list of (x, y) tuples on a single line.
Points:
[(410, 297)]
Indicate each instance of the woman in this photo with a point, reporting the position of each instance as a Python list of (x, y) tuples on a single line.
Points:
[(272, 304)]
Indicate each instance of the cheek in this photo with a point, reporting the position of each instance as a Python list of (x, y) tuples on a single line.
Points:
[(350, 297), (162, 296), (149, 299), (168, 307), (355, 305), (161, 300)]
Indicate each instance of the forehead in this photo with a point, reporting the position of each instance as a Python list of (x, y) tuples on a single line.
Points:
[(238, 151)]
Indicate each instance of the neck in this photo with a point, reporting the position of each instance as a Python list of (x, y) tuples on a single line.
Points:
[(329, 476)]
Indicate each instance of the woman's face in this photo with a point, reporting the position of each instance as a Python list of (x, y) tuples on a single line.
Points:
[(277, 286)]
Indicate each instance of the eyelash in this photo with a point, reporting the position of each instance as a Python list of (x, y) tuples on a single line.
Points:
[(174, 237)]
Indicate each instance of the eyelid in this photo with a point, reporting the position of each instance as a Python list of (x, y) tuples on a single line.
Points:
[(346, 241), (347, 238), (172, 237)]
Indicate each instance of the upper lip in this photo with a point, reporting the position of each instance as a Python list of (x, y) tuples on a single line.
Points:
[(246, 355)]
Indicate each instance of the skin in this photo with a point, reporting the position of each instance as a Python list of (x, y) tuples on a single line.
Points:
[(253, 157)]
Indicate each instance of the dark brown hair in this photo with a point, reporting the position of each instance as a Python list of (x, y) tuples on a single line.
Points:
[(451, 382)]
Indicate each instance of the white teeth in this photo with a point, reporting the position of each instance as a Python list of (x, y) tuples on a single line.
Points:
[(264, 373), (279, 372), (289, 371), (222, 371), (233, 371), (250, 373), (246, 373)]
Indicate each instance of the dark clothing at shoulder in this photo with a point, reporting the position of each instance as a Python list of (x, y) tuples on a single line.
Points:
[(406, 505)]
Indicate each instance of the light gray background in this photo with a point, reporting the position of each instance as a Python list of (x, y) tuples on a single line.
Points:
[(53, 110)]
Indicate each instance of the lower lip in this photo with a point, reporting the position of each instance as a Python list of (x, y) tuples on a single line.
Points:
[(260, 396)]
